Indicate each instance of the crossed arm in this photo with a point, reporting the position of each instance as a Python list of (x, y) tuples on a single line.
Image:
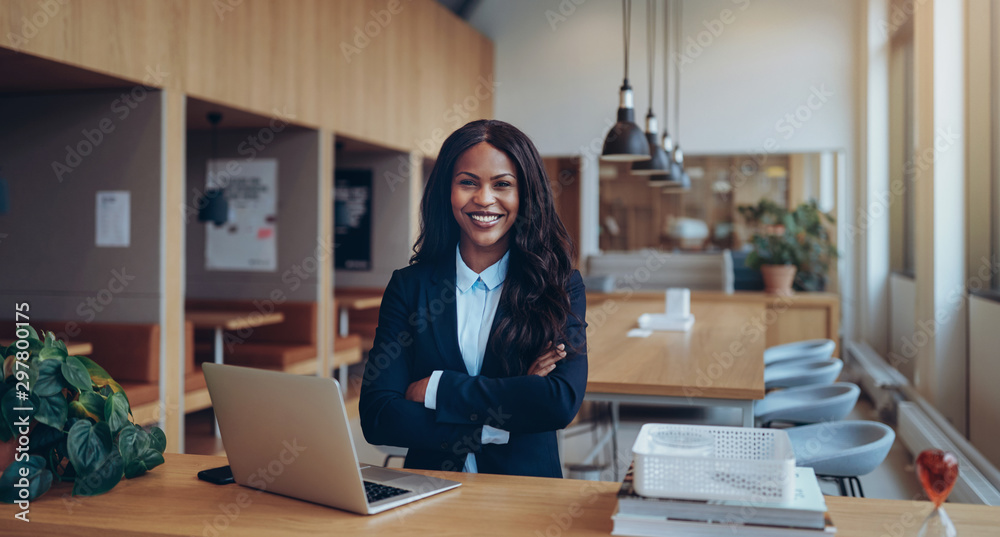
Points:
[(546, 399)]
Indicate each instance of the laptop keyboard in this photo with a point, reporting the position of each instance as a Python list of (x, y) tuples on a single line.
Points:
[(376, 492)]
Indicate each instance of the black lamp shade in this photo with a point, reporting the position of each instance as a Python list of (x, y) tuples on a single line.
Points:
[(214, 207), (659, 162), (625, 141)]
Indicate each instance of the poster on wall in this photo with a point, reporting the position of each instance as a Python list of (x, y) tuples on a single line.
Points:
[(352, 214), (248, 240), (114, 214)]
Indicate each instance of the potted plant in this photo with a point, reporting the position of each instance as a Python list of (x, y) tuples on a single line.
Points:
[(790, 247), (78, 423)]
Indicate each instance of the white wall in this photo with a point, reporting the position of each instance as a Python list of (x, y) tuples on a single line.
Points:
[(559, 81), (559, 65)]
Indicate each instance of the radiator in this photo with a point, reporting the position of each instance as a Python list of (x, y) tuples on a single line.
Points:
[(920, 427)]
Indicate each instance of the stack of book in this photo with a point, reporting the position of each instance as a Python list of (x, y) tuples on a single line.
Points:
[(804, 515)]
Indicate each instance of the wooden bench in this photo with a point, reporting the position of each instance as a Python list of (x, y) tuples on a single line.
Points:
[(129, 352)]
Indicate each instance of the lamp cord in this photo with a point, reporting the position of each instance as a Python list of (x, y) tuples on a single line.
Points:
[(651, 46), (677, 71), (626, 29)]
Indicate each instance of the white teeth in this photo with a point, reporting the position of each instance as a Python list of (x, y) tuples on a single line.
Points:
[(478, 218)]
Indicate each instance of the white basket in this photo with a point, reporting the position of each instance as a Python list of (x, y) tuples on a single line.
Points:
[(714, 463)]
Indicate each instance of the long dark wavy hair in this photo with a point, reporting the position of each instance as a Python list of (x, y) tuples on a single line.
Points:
[(534, 292)]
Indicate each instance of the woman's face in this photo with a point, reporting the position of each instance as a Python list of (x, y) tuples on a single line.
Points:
[(484, 197)]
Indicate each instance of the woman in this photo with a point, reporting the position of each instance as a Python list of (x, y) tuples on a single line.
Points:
[(480, 351)]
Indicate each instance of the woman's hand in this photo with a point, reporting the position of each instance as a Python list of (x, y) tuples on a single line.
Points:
[(546, 363), (416, 390)]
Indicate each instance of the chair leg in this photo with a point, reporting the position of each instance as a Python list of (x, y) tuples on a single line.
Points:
[(385, 463), (842, 485), (856, 481)]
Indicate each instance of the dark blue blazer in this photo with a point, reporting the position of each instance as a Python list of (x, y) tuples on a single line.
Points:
[(417, 334)]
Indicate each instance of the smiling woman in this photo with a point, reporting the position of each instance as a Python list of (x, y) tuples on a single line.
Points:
[(503, 364)]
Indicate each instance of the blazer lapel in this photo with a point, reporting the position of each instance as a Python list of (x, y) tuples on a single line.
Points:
[(440, 292)]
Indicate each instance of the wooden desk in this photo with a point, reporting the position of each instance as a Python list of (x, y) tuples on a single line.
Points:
[(73, 348), (348, 299), (170, 500), (794, 318), (230, 320), (719, 362)]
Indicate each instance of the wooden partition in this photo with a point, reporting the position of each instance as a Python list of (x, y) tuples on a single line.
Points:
[(400, 74)]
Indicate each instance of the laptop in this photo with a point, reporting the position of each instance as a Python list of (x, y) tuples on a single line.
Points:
[(289, 434)]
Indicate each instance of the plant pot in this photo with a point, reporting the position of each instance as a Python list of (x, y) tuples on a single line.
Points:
[(778, 279)]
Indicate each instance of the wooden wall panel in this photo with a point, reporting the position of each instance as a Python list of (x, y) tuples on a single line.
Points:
[(265, 55)]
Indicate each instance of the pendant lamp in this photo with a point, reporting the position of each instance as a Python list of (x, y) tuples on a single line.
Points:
[(625, 142), (213, 206), (682, 182), (658, 166)]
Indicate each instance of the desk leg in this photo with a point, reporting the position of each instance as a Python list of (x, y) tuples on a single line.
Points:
[(343, 381), (615, 407), (747, 408), (343, 322), (218, 360)]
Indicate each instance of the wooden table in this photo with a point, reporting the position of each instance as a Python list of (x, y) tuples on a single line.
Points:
[(170, 500), (221, 320), (73, 348), (230, 320), (719, 362), (354, 299)]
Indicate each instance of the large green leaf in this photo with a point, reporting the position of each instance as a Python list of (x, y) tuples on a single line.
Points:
[(116, 412), (98, 465), (50, 378), (138, 453), (44, 437), (11, 417), (52, 410), (50, 338), (98, 376), (51, 353), (157, 439), (88, 445), (76, 374), (89, 405), (38, 477), (32, 334), (102, 478)]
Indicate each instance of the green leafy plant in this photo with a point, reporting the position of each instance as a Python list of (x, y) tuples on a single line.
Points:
[(798, 237), (78, 421)]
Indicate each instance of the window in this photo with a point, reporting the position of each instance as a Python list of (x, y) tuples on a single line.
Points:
[(902, 141)]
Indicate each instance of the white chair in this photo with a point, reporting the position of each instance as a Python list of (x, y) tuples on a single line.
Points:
[(808, 404), (842, 450), (799, 373), (809, 350)]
